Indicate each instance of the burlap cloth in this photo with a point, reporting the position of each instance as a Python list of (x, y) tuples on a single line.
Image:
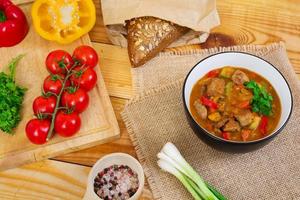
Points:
[(156, 116)]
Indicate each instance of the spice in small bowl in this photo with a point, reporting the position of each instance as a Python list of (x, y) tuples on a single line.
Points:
[(117, 176), (116, 182)]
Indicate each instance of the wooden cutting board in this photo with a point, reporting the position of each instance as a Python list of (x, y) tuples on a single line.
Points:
[(99, 123)]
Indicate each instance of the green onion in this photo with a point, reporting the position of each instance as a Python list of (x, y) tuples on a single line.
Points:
[(172, 170), (171, 160)]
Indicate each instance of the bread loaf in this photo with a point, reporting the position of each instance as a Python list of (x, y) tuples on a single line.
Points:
[(147, 36)]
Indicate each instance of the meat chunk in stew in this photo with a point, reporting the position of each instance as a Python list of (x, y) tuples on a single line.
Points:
[(201, 109), (221, 123), (245, 117), (232, 126), (239, 77), (202, 90), (216, 87)]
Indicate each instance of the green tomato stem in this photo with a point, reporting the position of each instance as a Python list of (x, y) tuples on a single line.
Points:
[(57, 108)]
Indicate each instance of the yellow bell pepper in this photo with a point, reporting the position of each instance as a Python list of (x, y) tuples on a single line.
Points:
[(63, 21), (215, 117)]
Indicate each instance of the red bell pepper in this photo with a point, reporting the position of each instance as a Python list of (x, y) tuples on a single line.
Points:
[(226, 135), (209, 103), (13, 24), (263, 125), (213, 73)]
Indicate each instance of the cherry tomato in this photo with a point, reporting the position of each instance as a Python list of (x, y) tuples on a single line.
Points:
[(67, 124), (76, 99), (53, 84), (44, 105), (85, 78), (37, 130), (58, 60), (86, 55)]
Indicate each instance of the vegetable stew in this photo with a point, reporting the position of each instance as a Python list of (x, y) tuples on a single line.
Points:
[(235, 104)]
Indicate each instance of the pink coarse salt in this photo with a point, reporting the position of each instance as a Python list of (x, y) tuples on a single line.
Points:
[(117, 182)]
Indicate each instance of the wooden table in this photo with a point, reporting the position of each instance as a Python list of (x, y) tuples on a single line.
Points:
[(243, 22)]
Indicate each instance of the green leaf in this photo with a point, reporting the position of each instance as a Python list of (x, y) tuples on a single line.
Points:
[(262, 100)]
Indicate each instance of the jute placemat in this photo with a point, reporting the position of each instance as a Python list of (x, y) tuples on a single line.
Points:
[(156, 116)]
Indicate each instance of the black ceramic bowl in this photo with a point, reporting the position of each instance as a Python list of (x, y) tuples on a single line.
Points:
[(250, 62)]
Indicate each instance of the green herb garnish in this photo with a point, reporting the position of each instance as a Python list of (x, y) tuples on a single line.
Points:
[(262, 100), (11, 98)]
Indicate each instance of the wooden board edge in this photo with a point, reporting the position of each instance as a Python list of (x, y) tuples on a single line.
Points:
[(112, 118), (36, 155)]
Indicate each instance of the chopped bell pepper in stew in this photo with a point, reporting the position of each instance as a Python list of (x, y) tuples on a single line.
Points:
[(235, 104)]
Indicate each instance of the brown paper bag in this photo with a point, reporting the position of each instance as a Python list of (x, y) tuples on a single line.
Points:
[(199, 15)]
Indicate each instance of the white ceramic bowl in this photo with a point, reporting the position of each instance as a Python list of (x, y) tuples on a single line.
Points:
[(109, 160), (252, 63)]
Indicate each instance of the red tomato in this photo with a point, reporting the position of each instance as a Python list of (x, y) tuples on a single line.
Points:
[(86, 55), (37, 130), (53, 84), (44, 105), (78, 99), (67, 124), (58, 60), (84, 78)]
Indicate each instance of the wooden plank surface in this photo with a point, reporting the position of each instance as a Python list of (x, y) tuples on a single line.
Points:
[(243, 22), (46, 180), (99, 124), (115, 67)]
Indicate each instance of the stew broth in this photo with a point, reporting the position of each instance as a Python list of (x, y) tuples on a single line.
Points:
[(235, 104)]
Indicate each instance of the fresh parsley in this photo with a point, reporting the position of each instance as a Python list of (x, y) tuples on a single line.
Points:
[(11, 98), (262, 100)]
